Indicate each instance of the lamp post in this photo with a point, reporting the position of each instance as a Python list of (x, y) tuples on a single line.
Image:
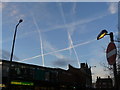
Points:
[(11, 56), (101, 35), (14, 39)]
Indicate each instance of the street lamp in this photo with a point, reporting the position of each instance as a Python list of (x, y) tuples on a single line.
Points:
[(11, 56), (14, 39), (101, 35), (105, 32)]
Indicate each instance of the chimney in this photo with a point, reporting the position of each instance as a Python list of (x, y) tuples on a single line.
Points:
[(82, 65)]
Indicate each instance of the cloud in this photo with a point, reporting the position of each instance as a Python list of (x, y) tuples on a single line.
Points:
[(11, 11), (2, 6), (6, 55), (15, 13), (113, 7), (62, 62)]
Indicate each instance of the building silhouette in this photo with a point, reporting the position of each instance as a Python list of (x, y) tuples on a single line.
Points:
[(104, 83), (32, 77)]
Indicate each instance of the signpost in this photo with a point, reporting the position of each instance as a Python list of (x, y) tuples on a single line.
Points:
[(111, 53)]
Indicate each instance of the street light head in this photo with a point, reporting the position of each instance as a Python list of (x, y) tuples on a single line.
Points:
[(20, 20), (102, 34)]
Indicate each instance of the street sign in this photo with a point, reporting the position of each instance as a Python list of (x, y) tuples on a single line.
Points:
[(111, 53)]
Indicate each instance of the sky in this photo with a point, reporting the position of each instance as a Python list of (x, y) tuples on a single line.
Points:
[(55, 34)]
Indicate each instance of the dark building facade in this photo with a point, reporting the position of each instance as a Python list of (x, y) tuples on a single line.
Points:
[(87, 74), (118, 80), (32, 77), (104, 83)]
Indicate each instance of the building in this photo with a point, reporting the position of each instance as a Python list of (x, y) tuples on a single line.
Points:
[(104, 83), (32, 77), (87, 73)]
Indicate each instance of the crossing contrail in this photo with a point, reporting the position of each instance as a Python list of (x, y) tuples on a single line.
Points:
[(40, 37), (80, 44), (64, 49), (46, 54), (69, 36), (71, 43), (63, 16), (64, 21)]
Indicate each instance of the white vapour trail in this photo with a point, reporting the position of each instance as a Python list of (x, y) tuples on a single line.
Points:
[(69, 36), (63, 16), (73, 11), (74, 7), (46, 54), (57, 27), (40, 37), (71, 43), (84, 43), (58, 50)]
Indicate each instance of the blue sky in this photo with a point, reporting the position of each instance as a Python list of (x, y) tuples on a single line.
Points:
[(55, 34)]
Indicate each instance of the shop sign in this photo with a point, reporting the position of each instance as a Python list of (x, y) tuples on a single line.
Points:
[(22, 83)]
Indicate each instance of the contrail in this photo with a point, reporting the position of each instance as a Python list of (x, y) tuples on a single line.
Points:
[(46, 54), (64, 21), (73, 11), (84, 43), (69, 36), (58, 50), (57, 27), (40, 37), (71, 43), (70, 40), (74, 7)]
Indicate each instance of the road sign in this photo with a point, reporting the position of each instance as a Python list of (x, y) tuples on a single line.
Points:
[(111, 53)]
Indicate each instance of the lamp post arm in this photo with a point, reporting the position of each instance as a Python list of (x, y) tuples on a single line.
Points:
[(111, 37)]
